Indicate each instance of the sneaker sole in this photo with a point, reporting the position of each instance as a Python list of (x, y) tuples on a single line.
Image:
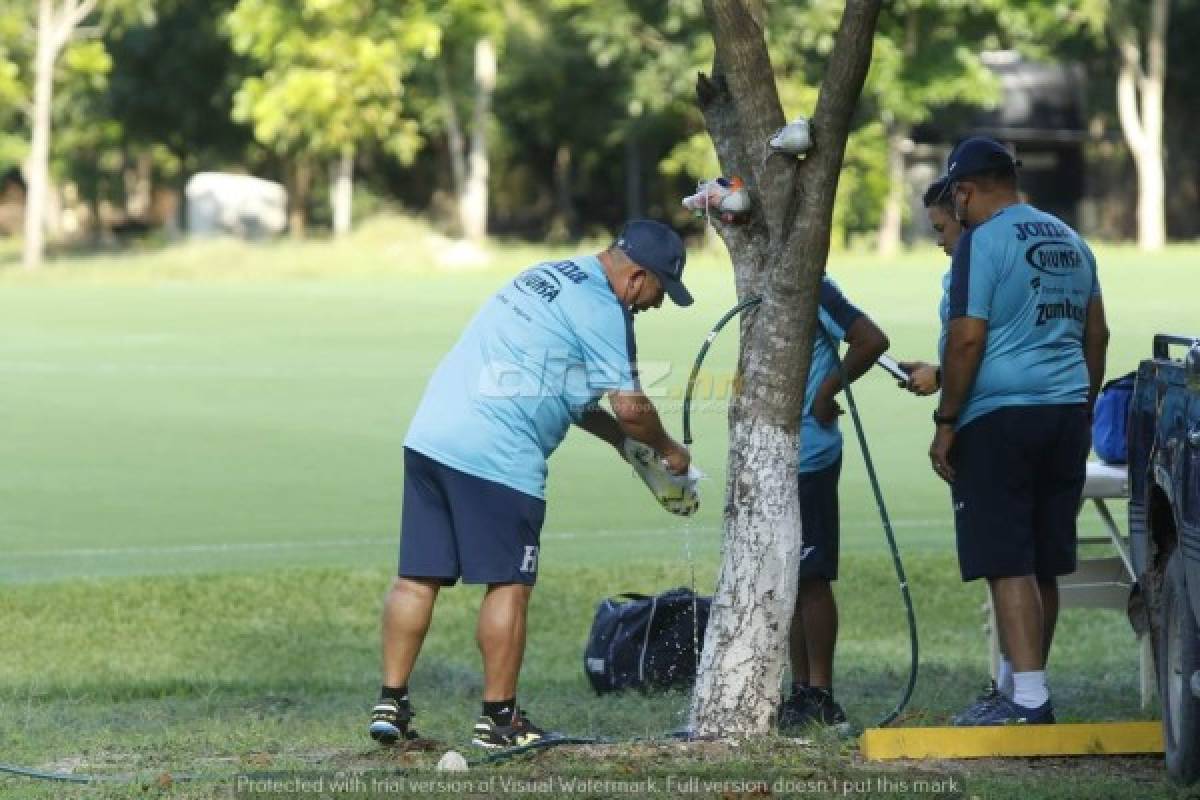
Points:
[(493, 746), (384, 732), (489, 745)]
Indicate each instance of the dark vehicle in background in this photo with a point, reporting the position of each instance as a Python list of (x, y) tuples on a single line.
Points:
[(1164, 526)]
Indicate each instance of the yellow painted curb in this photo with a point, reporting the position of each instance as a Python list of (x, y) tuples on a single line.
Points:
[(1101, 738)]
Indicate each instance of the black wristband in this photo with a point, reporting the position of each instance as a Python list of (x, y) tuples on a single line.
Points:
[(944, 419)]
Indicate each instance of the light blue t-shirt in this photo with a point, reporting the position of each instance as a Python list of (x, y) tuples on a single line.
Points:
[(1031, 277), (540, 352), (820, 446)]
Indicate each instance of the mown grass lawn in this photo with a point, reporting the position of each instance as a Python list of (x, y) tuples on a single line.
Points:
[(199, 507)]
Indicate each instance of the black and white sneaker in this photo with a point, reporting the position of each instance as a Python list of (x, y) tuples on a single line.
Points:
[(520, 733), (389, 721)]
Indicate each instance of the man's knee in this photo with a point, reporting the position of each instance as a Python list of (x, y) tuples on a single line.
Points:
[(403, 588), (510, 594)]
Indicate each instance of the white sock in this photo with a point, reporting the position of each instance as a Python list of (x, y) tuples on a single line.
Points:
[(1029, 689), (1004, 678)]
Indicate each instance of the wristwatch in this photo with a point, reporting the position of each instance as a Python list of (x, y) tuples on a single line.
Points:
[(944, 419)]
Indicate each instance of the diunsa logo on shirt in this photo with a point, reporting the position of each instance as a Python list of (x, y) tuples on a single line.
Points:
[(540, 283), (1054, 258)]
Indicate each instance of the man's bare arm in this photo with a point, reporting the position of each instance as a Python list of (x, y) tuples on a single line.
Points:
[(602, 425), (866, 343), (638, 419), (964, 351)]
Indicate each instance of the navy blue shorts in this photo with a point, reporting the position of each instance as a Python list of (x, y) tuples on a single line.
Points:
[(1019, 474), (457, 525), (819, 518)]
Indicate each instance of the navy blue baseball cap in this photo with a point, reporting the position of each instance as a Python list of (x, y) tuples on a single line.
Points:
[(975, 155), (657, 248)]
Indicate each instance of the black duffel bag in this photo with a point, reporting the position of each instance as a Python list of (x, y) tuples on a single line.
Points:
[(643, 642)]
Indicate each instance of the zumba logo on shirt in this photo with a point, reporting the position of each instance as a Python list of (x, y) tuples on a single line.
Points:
[(1062, 310)]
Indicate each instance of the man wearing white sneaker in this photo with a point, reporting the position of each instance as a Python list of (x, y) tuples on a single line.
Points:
[(534, 361), (1023, 350)]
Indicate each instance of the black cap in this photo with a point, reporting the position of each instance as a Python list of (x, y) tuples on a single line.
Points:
[(978, 154), (655, 247)]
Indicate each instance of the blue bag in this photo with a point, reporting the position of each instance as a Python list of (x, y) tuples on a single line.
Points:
[(643, 642), (1109, 420)]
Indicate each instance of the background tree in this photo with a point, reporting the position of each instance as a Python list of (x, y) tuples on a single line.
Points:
[(13, 95), (780, 255), (1139, 31), (172, 85), (332, 79), (1181, 118), (85, 153), (472, 35), (927, 57), (55, 23)]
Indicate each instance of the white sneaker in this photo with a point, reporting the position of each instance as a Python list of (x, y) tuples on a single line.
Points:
[(793, 138), (720, 194)]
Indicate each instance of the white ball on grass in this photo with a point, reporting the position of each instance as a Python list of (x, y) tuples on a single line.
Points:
[(452, 761)]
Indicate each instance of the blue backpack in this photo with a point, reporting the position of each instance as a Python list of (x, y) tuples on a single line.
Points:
[(1109, 419)]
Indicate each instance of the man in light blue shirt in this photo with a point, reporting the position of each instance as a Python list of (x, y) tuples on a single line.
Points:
[(813, 634), (1023, 349), (535, 359)]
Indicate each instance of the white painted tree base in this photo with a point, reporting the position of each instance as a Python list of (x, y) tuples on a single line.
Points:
[(745, 646)]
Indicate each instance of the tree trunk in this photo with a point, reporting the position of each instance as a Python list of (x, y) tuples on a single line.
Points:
[(54, 28), (139, 185), (454, 135), (1140, 109), (779, 253), (37, 166), (633, 172), (341, 194), (566, 218), (891, 223), (298, 198), (473, 204)]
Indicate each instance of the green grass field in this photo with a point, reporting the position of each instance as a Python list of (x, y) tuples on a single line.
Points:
[(201, 494)]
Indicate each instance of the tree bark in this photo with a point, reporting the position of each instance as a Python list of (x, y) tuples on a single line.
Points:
[(1140, 109), (341, 194), (473, 205), (779, 253)]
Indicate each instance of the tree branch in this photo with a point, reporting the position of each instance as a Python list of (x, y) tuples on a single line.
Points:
[(812, 217), (68, 18), (743, 62), (720, 117), (1128, 80)]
